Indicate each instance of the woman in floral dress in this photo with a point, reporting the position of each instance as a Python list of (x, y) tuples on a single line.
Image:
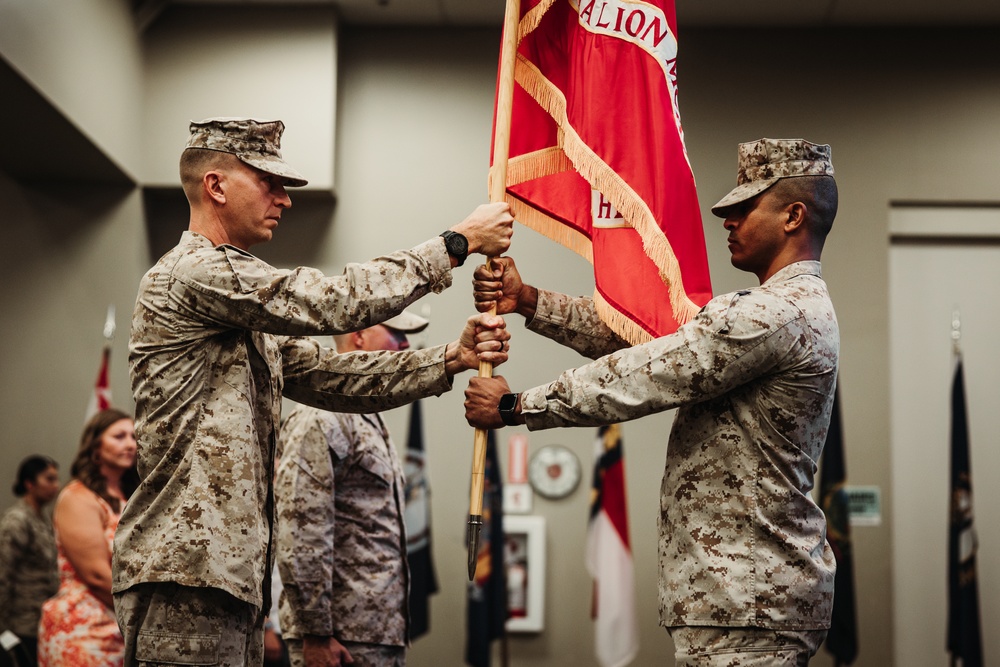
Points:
[(78, 625)]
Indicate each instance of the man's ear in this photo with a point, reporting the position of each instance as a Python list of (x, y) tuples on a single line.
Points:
[(796, 216), (214, 187), (358, 338)]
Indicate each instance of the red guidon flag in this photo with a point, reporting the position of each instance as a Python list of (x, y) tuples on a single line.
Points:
[(101, 398), (597, 159)]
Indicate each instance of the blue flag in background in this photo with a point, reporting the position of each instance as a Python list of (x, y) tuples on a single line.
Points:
[(842, 639), (964, 640), (417, 517)]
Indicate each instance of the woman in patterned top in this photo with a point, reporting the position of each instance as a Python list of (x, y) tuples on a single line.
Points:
[(78, 625), (28, 574)]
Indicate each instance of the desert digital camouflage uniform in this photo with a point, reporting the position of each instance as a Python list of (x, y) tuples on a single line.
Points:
[(341, 538), (214, 345), (28, 571), (742, 544), (706, 646)]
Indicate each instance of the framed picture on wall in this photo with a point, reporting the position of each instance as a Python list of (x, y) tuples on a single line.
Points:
[(524, 558)]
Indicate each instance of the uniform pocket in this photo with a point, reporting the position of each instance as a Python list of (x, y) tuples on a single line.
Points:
[(376, 466), (153, 648), (747, 658)]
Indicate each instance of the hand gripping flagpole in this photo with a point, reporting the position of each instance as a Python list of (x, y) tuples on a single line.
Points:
[(498, 191)]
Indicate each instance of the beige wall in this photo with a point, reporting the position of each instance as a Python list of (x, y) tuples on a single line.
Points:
[(85, 57), (911, 116), (254, 63), (68, 253)]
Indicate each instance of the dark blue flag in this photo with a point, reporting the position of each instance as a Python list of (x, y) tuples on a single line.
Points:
[(842, 639), (964, 639), (417, 517), (487, 592)]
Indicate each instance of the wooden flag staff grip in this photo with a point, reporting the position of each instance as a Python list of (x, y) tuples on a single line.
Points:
[(498, 191)]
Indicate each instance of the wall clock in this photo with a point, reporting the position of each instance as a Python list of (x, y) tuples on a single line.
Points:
[(554, 471)]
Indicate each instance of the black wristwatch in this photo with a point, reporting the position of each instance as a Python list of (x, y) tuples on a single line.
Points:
[(506, 407), (457, 245)]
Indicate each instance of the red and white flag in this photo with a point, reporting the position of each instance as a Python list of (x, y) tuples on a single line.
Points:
[(597, 159), (609, 555), (101, 398)]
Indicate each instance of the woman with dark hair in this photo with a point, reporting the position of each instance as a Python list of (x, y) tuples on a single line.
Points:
[(78, 625), (28, 574)]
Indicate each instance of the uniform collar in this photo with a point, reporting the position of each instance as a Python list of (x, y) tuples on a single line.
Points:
[(806, 268)]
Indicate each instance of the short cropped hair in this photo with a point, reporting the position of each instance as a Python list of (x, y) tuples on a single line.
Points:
[(195, 162), (818, 193)]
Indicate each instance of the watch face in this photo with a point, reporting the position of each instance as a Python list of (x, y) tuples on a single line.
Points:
[(554, 471), (457, 244), (507, 402)]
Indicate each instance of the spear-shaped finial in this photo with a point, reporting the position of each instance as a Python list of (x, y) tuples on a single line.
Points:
[(109, 324)]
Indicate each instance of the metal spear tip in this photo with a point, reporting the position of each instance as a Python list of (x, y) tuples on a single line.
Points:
[(109, 323), (475, 526)]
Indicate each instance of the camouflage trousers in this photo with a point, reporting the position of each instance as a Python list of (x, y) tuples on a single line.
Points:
[(744, 647), (166, 624), (365, 655)]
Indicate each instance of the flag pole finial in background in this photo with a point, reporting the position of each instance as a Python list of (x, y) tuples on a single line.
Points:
[(109, 324), (956, 331), (100, 399), (498, 191)]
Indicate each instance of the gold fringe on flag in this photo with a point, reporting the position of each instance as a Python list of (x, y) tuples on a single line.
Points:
[(539, 164), (552, 228), (603, 178), (622, 325), (532, 18)]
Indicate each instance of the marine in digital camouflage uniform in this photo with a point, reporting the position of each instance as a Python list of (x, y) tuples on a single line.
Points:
[(216, 340), (341, 537), (746, 573), (29, 574)]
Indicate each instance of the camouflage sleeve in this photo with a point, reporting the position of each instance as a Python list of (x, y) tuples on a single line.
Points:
[(360, 381), (13, 540), (573, 322), (304, 491), (730, 343), (227, 287)]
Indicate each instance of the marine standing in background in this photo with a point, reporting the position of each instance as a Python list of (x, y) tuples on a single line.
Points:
[(341, 537)]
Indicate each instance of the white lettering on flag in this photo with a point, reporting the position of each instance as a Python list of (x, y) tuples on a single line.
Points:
[(605, 215), (642, 24)]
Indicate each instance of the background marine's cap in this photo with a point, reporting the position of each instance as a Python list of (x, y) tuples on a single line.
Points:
[(764, 162), (406, 322), (258, 143)]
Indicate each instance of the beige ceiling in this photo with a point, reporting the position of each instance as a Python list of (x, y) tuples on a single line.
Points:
[(689, 12)]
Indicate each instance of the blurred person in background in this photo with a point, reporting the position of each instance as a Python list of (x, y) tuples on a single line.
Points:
[(28, 574), (78, 626)]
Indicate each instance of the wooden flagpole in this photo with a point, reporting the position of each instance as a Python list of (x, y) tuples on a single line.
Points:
[(498, 191)]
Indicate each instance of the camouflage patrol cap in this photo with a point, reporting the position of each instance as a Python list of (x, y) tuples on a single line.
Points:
[(764, 162), (406, 322), (255, 142)]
